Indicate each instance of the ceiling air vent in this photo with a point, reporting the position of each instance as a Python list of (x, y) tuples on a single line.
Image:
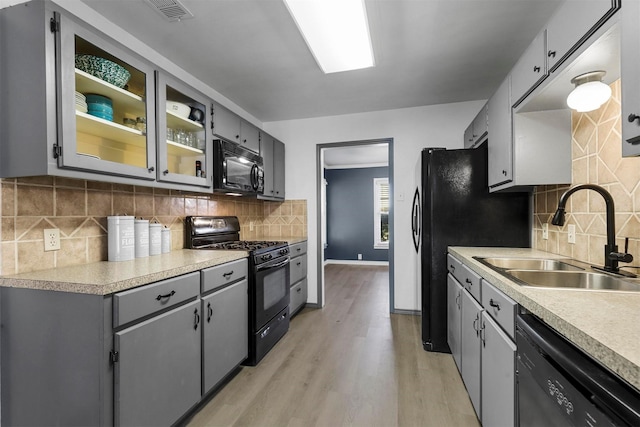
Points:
[(172, 10)]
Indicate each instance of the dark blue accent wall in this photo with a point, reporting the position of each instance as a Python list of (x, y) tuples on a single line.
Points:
[(350, 224)]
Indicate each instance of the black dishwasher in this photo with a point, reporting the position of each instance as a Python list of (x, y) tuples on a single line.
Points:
[(559, 385)]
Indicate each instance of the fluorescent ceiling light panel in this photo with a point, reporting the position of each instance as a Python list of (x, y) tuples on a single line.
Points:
[(336, 32)]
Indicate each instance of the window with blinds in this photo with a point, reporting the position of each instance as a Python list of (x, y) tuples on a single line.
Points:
[(381, 213)]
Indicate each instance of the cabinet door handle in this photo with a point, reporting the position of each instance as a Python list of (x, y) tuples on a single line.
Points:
[(458, 300), (452, 267), (299, 290), (151, 169), (196, 319), (169, 295), (165, 172), (633, 117), (226, 275), (298, 263), (536, 69), (209, 312), (475, 325), (494, 304), (483, 335), (468, 281), (551, 54), (504, 172)]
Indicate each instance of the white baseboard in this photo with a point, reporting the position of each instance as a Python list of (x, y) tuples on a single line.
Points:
[(354, 262)]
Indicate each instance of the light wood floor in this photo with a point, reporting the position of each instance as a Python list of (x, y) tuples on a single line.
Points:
[(350, 363)]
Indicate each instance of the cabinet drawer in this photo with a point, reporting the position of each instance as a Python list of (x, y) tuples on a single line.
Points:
[(500, 307), (136, 303), (471, 282), (455, 267), (298, 249), (298, 269), (298, 296), (221, 275)]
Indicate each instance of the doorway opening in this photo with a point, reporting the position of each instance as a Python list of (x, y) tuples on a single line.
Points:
[(340, 158)]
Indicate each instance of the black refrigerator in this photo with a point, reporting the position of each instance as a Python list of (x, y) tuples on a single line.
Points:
[(453, 207)]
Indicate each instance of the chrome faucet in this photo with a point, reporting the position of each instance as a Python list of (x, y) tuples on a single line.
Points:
[(611, 254)]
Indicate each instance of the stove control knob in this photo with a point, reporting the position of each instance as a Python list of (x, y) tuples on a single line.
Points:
[(266, 257), (284, 251)]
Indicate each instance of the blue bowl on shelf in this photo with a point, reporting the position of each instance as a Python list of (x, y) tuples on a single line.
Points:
[(100, 108), (93, 98)]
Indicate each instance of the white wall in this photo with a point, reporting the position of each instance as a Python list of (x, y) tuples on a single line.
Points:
[(411, 129)]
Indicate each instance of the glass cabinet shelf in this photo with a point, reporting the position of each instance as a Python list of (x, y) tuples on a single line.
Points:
[(177, 149), (92, 125), (177, 122), (123, 100)]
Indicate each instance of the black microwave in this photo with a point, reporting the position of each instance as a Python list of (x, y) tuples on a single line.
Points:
[(236, 170)]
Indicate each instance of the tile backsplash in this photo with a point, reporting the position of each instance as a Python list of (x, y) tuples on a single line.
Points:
[(80, 208), (596, 159)]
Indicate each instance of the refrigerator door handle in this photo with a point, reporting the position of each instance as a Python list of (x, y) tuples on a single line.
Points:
[(415, 220)]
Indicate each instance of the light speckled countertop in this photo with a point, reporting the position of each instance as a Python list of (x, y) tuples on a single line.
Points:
[(606, 325), (103, 278)]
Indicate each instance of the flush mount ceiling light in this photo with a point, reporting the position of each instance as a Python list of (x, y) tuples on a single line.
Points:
[(590, 93), (336, 32)]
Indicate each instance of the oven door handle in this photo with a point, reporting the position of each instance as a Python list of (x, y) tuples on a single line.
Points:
[(270, 266)]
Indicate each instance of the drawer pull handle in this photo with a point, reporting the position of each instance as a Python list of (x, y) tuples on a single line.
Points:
[(209, 312), (452, 267), (169, 295), (298, 263), (494, 304), (468, 281), (226, 275), (196, 319), (299, 290)]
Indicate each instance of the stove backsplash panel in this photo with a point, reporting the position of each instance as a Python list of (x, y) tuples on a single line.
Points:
[(80, 208)]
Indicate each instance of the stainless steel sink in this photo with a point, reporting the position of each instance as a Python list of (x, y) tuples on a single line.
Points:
[(572, 279), (529, 264)]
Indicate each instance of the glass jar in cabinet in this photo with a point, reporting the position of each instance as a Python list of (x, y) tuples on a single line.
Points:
[(103, 88), (184, 155)]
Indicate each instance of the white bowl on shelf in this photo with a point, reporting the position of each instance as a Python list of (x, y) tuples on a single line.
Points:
[(179, 109)]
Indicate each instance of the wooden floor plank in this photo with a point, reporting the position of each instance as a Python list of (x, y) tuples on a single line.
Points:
[(351, 363)]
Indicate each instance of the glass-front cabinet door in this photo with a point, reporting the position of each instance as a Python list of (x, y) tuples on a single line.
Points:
[(183, 117), (107, 105)]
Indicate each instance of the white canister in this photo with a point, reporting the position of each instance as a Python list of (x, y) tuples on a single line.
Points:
[(121, 238), (142, 237), (155, 239), (166, 240)]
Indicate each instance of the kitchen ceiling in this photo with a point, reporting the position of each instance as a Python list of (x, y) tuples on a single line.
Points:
[(427, 52)]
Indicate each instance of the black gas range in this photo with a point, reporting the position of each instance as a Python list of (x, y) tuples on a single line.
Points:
[(268, 277)]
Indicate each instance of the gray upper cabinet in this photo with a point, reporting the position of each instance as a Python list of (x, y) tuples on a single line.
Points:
[(500, 158), (530, 70), (630, 70), (64, 132), (228, 125), (272, 152), (184, 147), (572, 24), (477, 130)]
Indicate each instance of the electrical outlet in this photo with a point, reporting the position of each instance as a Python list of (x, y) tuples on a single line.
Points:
[(250, 225), (359, 256), (545, 231), (572, 233), (51, 239)]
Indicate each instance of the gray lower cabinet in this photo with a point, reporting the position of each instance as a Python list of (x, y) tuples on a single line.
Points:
[(498, 375), (481, 338), (141, 357), (298, 277), (225, 342), (454, 317), (157, 376), (470, 349)]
